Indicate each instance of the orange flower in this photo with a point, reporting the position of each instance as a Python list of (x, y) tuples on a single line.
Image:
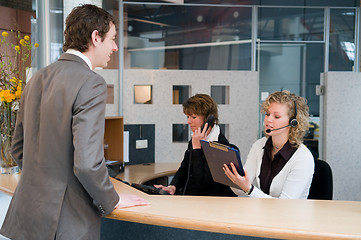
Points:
[(7, 96), (18, 93)]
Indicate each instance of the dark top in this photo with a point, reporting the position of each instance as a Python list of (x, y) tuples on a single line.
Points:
[(269, 168), (194, 173)]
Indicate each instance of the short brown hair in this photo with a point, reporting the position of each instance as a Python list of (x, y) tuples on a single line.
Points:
[(297, 133), (201, 104), (80, 24)]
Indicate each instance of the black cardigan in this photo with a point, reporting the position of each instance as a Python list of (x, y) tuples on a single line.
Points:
[(200, 181)]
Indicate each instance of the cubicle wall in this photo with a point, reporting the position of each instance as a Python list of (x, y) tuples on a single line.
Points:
[(341, 114), (241, 114)]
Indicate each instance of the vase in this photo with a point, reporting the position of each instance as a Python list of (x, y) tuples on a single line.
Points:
[(7, 164)]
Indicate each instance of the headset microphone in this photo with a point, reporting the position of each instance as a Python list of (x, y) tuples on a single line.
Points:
[(269, 130), (293, 121)]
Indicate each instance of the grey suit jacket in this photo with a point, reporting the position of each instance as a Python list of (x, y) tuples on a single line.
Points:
[(64, 187)]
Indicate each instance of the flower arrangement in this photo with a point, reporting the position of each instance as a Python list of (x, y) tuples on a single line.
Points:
[(14, 67)]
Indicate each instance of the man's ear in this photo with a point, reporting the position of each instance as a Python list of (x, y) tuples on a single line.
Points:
[(95, 37)]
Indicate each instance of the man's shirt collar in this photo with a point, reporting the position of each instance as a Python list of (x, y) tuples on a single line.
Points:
[(82, 56)]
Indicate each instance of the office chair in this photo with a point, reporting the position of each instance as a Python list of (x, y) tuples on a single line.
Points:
[(322, 182)]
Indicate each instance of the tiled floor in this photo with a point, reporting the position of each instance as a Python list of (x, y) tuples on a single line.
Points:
[(4, 204)]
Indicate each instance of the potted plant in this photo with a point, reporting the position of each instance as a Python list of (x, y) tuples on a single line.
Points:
[(15, 60)]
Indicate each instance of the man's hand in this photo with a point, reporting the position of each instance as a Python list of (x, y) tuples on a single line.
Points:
[(130, 200)]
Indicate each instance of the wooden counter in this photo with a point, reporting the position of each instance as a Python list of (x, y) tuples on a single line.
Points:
[(271, 218), (142, 173), (8, 183), (267, 218)]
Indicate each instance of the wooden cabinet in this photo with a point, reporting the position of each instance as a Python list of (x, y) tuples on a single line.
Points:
[(113, 139)]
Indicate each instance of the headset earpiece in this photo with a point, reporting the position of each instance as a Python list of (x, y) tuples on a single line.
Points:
[(293, 121)]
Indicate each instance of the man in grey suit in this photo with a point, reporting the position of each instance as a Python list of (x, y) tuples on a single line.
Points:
[(58, 141)]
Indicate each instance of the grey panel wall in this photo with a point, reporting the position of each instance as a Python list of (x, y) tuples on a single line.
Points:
[(342, 131), (241, 114)]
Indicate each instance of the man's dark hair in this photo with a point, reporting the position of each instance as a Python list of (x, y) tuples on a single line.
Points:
[(80, 24)]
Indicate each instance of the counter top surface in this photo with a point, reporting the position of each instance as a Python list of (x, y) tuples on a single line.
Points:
[(272, 218), (276, 218), (142, 173)]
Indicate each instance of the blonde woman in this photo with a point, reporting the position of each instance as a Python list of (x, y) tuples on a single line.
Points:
[(278, 165)]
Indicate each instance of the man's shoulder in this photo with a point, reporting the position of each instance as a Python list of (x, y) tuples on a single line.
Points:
[(73, 72)]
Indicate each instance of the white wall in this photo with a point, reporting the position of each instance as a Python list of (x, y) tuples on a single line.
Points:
[(241, 114), (341, 132)]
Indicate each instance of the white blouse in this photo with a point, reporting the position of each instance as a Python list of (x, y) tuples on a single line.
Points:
[(293, 181)]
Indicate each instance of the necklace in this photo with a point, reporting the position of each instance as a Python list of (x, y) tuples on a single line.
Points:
[(275, 148)]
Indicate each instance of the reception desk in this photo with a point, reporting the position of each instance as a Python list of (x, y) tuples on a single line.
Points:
[(143, 173), (239, 217)]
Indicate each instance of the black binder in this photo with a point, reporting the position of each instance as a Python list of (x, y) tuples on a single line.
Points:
[(218, 154)]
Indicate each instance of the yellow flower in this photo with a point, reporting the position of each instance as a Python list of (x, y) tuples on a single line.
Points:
[(14, 80), (17, 48), (22, 42), (36, 45), (5, 34), (18, 94), (7, 96), (26, 37)]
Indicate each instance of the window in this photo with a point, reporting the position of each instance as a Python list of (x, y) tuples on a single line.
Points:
[(291, 24), (180, 132), (220, 94), (342, 40), (188, 37), (180, 94), (143, 94)]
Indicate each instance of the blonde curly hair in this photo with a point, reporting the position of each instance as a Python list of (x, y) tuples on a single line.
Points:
[(294, 103)]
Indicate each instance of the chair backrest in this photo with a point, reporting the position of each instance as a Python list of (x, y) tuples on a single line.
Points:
[(322, 182)]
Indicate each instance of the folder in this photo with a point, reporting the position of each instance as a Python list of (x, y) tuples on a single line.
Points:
[(218, 154)]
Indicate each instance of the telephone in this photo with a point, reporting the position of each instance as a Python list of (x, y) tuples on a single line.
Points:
[(145, 188), (210, 121)]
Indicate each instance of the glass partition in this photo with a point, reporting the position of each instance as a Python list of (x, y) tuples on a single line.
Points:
[(342, 40), (187, 37), (292, 66), (291, 24), (56, 23)]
